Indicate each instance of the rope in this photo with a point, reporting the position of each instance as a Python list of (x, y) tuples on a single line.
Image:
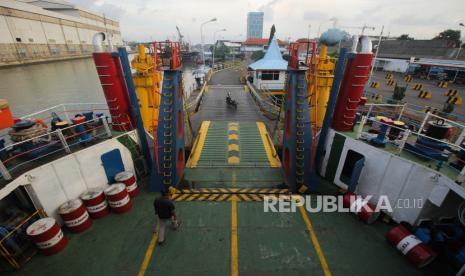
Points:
[(25, 134)]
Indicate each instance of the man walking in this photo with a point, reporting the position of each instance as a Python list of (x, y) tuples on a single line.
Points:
[(164, 208)]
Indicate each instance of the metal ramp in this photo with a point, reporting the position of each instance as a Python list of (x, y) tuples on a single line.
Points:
[(233, 154)]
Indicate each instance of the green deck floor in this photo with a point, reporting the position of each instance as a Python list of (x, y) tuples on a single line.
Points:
[(213, 169), (268, 244)]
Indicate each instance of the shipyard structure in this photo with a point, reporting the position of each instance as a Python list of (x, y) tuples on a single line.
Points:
[(36, 30)]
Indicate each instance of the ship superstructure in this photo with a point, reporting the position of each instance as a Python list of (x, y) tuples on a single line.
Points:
[(220, 162)]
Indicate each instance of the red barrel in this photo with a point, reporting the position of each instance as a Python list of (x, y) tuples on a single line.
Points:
[(118, 198), (95, 203), (75, 216), (47, 236), (114, 88), (129, 180), (416, 251), (367, 213)]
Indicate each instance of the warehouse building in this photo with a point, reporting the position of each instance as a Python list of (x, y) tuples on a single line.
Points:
[(42, 30)]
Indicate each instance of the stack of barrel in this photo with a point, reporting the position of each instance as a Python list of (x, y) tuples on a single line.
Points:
[(77, 214)]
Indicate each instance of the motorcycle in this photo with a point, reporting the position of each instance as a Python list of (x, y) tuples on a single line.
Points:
[(230, 101)]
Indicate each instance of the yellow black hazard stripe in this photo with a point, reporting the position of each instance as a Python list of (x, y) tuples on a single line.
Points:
[(375, 84), (451, 93), (418, 86), (425, 94), (408, 78), (454, 100), (391, 82), (443, 84), (228, 194)]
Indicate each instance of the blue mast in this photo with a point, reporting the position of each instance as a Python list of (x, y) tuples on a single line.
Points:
[(123, 56)]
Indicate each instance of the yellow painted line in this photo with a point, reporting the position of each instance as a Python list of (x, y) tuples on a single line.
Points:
[(233, 137), (315, 242), (148, 253), (234, 250), (198, 147), (233, 147), (233, 127), (269, 147)]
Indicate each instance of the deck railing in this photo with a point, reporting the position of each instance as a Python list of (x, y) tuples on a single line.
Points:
[(421, 109), (23, 154), (269, 104), (67, 110), (417, 120)]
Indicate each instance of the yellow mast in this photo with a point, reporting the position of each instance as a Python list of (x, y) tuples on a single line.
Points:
[(147, 80), (324, 80)]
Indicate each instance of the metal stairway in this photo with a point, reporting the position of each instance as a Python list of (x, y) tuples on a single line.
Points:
[(297, 136), (168, 167)]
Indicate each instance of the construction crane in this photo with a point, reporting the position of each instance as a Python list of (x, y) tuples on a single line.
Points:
[(180, 35), (184, 45)]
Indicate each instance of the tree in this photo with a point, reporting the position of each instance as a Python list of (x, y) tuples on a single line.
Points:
[(449, 34), (405, 37), (257, 55), (272, 31), (221, 51)]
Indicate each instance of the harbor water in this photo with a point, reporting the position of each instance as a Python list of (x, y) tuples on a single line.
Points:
[(30, 88)]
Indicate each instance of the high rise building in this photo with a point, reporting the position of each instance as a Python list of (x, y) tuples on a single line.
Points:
[(255, 25)]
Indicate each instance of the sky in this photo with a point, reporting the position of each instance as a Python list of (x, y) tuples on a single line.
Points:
[(143, 20)]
